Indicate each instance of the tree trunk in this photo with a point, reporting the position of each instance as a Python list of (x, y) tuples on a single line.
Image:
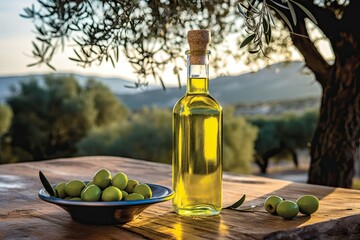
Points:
[(335, 145), (336, 140)]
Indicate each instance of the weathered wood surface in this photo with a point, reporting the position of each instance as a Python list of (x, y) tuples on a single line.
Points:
[(24, 216)]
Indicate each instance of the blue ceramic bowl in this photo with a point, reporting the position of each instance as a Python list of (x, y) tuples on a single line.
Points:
[(108, 213)]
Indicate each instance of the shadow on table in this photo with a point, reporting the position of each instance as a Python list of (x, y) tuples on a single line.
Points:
[(295, 190)]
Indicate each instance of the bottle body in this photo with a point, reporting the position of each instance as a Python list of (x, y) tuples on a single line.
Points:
[(197, 151)]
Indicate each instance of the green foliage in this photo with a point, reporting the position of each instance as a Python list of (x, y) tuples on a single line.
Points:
[(6, 115), (356, 183), (9, 154), (99, 140), (50, 117), (297, 131), (294, 130), (239, 139), (150, 34), (57, 117), (147, 135), (108, 108)]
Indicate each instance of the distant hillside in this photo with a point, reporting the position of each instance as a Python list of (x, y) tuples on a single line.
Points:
[(277, 82), (116, 85), (281, 81)]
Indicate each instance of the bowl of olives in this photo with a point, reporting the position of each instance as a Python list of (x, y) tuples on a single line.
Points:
[(106, 199)]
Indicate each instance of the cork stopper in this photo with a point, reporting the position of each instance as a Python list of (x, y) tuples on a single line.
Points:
[(199, 41)]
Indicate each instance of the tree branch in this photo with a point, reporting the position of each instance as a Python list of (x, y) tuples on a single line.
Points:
[(301, 40), (313, 58), (350, 17), (326, 18)]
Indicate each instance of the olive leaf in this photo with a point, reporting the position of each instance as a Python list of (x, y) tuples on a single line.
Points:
[(240, 10), (254, 51), (32, 64), (50, 66), (238, 203), (74, 59), (284, 18), (28, 13), (292, 12), (46, 184), (268, 33), (265, 26), (278, 4), (116, 53), (162, 83), (247, 40), (36, 47), (77, 54), (306, 11), (112, 61)]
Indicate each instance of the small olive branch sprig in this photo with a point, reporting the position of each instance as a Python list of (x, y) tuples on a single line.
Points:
[(258, 21)]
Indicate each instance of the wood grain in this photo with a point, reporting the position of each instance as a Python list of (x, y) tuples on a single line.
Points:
[(24, 216)]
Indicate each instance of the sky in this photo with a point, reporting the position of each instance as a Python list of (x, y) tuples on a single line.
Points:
[(16, 34)]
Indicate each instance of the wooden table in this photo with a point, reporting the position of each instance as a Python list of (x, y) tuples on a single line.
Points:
[(24, 216)]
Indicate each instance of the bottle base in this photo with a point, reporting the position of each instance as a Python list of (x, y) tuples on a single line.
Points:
[(201, 210)]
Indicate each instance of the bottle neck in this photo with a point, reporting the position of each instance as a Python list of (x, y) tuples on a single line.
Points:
[(198, 73)]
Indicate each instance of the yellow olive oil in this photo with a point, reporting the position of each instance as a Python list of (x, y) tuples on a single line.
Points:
[(197, 150)]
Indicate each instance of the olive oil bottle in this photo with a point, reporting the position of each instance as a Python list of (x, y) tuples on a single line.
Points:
[(197, 138)]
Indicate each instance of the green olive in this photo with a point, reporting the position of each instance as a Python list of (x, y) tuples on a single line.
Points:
[(60, 188), (91, 193), (74, 187), (102, 178), (308, 204), (111, 194), (287, 209), (56, 194), (90, 183), (104, 187), (144, 190), (134, 196), (124, 194), (271, 203), (120, 180), (75, 199), (82, 193), (130, 185)]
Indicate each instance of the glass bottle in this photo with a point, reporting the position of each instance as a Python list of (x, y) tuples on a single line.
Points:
[(197, 142)]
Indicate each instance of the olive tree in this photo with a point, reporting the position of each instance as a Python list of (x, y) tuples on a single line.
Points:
[(51, 116), (335, 143), (5, 118), (6, 115), (152, 34)]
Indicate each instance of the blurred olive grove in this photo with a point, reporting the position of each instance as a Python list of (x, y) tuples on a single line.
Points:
[(5, 118), (292, 129), (58, 117), (51, 116)]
